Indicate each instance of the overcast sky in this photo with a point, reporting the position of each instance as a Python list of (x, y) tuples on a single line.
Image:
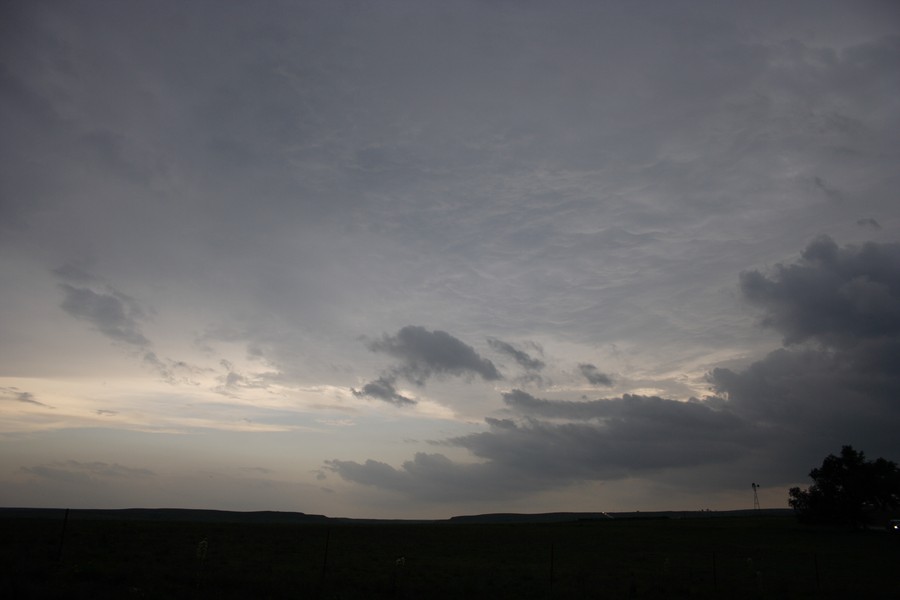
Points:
[(420, 259)]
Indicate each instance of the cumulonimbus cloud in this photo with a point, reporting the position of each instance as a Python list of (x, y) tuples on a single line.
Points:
[(838, 375), (835, 381), (835, 296)]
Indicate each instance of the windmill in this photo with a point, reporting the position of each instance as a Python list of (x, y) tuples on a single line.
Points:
[(755, 487)]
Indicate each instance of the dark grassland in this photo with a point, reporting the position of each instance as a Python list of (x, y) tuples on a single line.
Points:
[(727, 557)]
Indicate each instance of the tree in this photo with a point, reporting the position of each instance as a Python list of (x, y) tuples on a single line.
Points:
[(848, 488)]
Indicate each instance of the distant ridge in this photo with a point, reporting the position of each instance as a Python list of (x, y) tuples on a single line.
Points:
[(278, 517), (556, 517), (166, 514), (562, 517)]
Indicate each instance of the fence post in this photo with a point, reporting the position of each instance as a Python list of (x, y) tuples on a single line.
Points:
[(715, 577), (551, 570), (62, 537), (816, 566)]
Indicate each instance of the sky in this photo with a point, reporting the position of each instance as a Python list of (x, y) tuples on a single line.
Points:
[(417, 259)]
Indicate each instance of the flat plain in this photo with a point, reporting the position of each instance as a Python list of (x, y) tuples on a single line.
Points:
[(193, 557)]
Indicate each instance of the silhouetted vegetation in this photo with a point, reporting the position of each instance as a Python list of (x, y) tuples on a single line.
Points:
[(734, 557), (848, 489)]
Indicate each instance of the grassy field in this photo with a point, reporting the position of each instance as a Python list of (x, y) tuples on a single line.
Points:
[(729, 557)]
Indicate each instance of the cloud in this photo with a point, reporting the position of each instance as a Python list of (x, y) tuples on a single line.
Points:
[(16, 395), (117, 316), (173, 371), (113, 313), (427, 353), (594, 376), (834, 296), (433, 477), (233, 382), (836, 381), (73, 471), (838, 376), (551, 172), (74, 274), (522, 358), (383, 389), (596, 440), (869, 222)]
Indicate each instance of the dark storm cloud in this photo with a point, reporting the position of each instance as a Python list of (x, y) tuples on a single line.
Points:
[(837, 381), (594, 376), (426, 353), (523, 358), (835, 296), (114, 314), (625, 436), (383, 389), (640, 433), (838, 378), (629, 407), (436, 478)]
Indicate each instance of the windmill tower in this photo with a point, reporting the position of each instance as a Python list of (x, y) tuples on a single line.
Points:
[(755, 487)]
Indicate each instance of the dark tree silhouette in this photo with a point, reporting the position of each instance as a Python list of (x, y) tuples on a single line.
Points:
[(847, 489)]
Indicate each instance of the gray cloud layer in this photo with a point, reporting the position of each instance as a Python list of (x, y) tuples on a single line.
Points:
[(276, 181), (840, 387)]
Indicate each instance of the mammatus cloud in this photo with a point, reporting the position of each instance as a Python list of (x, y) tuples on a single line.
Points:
[(836, 381), (594, 376)]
